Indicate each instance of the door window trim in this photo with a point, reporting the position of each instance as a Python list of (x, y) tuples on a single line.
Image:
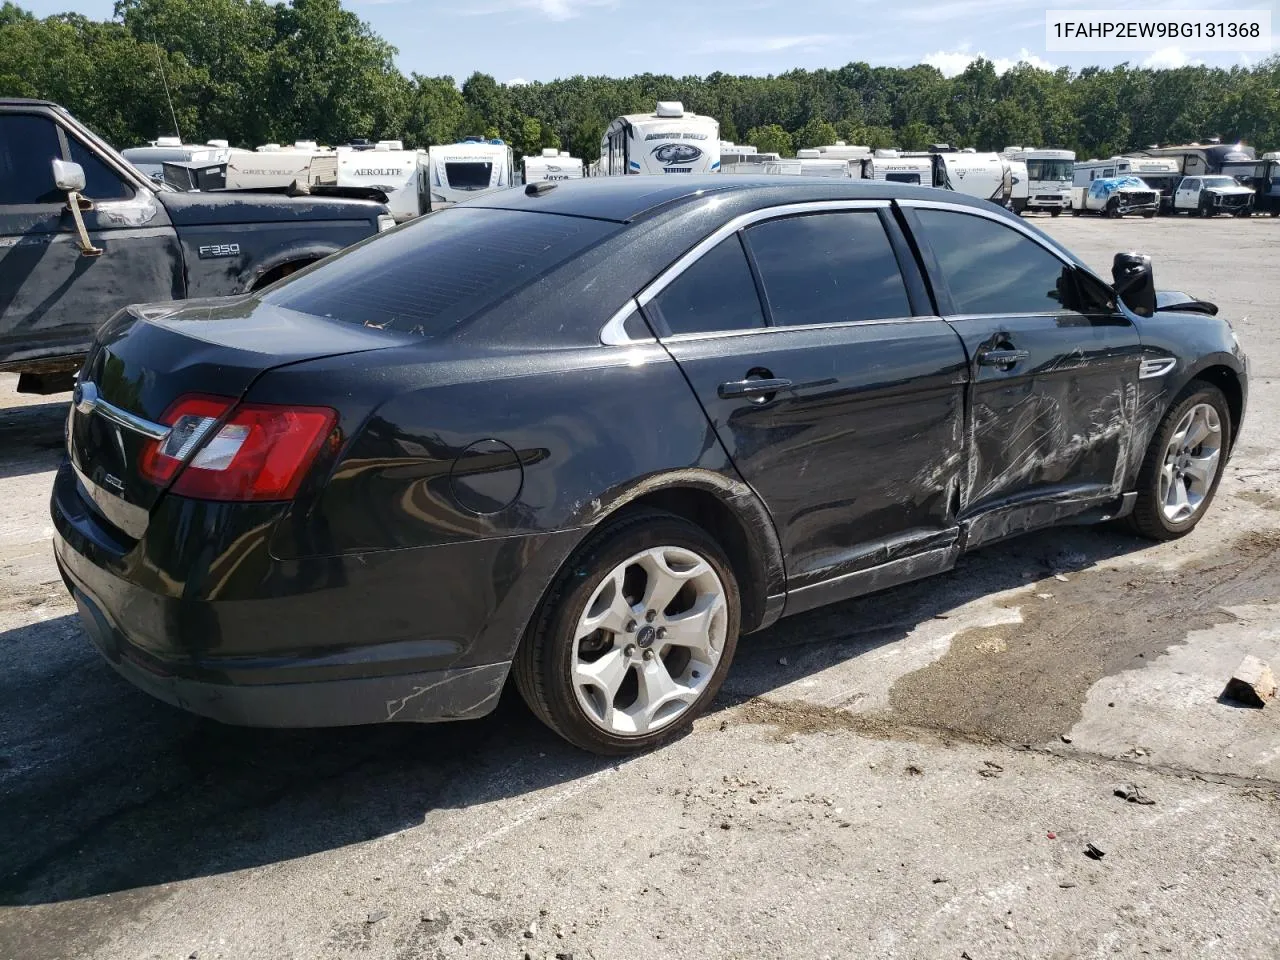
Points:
[(612, 333)]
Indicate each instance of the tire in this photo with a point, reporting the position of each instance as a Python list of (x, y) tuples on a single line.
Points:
[(1075, 212), (1112, 209), (551, 650), (1148, 214), (1149, 518), (1056, 211)]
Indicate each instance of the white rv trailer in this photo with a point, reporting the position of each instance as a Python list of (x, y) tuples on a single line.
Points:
[(985, 175), (896, 167), (271, 166), (468, 168), (734, 153), (1048, 177), (813, 163), (669, 140), (388, 167), (1160, 173), (552, 164)]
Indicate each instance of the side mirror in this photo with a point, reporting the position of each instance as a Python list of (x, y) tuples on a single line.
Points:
[(1134, 282), (68, 176)]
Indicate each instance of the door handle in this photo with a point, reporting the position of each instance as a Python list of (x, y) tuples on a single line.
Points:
[(759, 387), (1004, 359)]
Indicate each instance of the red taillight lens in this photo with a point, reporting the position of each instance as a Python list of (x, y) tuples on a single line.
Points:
[(261, 452), (189, 419)]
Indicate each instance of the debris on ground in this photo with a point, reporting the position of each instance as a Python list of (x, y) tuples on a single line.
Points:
[(375, 916), (1051, 835), (1133, 793), (914, 771), (990, 769), (1060, 576), (531, 931), (1066, 738), (1252, 684), (1093, 853)]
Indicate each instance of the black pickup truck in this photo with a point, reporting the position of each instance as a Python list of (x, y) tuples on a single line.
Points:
[(83, 233)]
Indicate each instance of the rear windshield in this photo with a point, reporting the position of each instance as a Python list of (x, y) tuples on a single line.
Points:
[(433, 273)]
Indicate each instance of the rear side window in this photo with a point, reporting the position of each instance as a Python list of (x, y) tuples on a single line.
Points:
[(717, 293), (432, 274), (991, 269), (28, 147), (828, 268)]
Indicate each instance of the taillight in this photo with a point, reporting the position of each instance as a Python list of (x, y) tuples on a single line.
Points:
[(259, 452)]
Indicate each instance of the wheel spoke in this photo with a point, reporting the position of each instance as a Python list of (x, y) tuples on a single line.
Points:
[(604, 676), (608, 609), (665, 581), (1198, 430), (699, 628), (657, 692), (1202, 469), (1180, 503)]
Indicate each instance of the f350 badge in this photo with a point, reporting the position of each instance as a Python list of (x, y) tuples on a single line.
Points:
[(211, 250)]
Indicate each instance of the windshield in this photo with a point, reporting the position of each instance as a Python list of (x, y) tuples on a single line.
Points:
[(437, 271), (1220, 182), (468, 175), (1049, 169)]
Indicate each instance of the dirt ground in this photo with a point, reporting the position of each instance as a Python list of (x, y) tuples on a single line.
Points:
[(916, 774)]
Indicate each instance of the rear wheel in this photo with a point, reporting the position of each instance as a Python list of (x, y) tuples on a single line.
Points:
[(1183, 464), (1055, 211), (1148, 214), (635, 636)]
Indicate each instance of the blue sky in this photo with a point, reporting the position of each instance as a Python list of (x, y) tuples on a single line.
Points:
[(522, 40)]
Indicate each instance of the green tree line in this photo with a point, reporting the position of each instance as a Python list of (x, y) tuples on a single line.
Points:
[(255, 72)]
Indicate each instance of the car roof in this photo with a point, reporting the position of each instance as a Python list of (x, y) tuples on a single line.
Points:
[(629, 198), (25, 102)]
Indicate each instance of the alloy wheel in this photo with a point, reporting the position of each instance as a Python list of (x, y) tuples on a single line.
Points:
[(1190, 463), (649, 640)]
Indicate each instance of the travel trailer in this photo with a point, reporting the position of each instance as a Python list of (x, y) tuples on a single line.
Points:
[(468, 168), (732, 154), (1048, 180), (389, 168), (1199, 159), (987, 176), (274, 167), (897, 167), (669, 140), (551, 164)]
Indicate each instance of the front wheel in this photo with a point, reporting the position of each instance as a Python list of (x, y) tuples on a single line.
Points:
[(1056, 211), (635, 636), (1113, 208), (1183, 464)]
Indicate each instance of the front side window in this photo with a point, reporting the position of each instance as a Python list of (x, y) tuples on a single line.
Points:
[(28, 147), (717, 293), (828, 268), (100, 181), (990, 268)]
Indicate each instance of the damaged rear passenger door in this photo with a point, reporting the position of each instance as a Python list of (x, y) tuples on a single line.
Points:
[(1053, 370)]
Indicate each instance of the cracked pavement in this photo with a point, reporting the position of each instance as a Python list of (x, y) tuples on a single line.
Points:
[(912, 774)]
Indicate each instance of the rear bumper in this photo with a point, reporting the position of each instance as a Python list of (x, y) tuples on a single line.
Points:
[(407, 635)]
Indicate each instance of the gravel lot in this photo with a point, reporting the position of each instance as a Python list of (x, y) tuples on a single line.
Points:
[(914, 774)]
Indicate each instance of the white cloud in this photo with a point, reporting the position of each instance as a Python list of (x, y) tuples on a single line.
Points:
[(551, 9), (771, 44), (517, 82), (1170, 58), (951, 63)]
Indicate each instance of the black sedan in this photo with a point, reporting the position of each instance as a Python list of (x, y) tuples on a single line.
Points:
[(589, 433)]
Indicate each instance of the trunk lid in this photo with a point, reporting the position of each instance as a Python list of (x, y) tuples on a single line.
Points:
[(147, 357)]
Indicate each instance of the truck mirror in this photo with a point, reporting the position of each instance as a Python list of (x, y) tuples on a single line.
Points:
[(1134, 282), (68, 176)]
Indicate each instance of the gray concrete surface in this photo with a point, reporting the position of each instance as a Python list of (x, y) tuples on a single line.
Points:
[(914, 774)]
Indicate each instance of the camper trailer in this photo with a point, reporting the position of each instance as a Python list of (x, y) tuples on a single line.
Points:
[(275, 167), (1048, 177), (387, 167), (551, 164), (897, 167), (987, 176), (468, 168), (1201, 159), (669, 140), (1262, 176)]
